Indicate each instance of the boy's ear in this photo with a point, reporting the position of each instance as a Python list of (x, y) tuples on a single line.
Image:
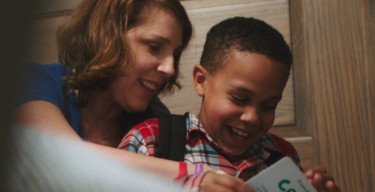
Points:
[(199, 79)]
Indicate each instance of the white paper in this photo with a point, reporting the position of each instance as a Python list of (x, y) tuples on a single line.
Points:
[(283, 176)]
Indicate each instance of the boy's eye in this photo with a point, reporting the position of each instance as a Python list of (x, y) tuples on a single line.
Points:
[(270, 106), (239, 100), (177, 53)]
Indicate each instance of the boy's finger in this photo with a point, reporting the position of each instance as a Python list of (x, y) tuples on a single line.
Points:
[(319, 169), (315, 184), (331, 186)]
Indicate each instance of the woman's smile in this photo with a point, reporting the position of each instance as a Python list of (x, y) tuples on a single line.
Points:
[(150, 85)]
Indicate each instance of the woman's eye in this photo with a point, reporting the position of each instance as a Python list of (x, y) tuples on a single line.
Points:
[(154, 47)]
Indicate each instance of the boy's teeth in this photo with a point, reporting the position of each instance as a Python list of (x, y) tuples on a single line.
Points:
[(240, 133)]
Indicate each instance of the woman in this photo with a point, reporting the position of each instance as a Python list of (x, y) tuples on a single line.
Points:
[(116, 56)]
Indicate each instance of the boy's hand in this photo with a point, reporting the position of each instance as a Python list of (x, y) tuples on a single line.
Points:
[(213, 181), (320, 180)]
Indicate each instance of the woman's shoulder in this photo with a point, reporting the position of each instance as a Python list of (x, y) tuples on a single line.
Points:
[(45, 74), (43, 82), (52, 69)]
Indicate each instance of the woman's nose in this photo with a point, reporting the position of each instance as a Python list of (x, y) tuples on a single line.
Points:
[(167, 66)]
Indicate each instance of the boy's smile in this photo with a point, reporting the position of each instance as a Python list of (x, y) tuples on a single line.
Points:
[(239, 100)]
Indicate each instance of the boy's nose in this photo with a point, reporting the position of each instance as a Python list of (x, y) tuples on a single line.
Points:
[(251, 115), (167, 67)]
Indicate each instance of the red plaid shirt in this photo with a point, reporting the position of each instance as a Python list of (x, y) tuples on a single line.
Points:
[(200, 148)]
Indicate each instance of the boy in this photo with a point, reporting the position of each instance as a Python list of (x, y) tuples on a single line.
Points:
[(243, 71)]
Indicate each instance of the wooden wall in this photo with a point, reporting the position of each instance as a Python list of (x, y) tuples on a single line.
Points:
[(334, 87), (328, 108), (369, 17)]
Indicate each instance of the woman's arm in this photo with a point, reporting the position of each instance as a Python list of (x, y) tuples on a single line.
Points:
[(46, 116)]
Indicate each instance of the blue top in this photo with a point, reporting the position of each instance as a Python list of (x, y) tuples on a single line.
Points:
[(44, 82)]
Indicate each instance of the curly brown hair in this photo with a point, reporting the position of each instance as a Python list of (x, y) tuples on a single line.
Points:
[(92, 42)]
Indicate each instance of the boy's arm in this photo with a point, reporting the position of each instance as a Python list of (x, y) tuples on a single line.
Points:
[(135, 141), (141, 138)]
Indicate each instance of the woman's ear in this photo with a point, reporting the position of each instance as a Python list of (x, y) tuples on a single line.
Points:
[(199, 79)]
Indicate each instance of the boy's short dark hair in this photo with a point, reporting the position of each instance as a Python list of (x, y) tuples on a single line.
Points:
[(243, 34)]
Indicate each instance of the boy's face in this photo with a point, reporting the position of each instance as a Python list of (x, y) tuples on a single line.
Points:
[(240, 99)]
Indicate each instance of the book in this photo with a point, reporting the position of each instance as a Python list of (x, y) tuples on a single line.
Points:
[(282, 176)]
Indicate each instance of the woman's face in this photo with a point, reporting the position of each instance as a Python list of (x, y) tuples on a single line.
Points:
[(155, 43)]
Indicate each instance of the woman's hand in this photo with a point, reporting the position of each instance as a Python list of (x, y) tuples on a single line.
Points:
[(321, 181), (218, 182)]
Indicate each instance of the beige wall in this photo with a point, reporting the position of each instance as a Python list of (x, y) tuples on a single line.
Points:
[(328, 108)]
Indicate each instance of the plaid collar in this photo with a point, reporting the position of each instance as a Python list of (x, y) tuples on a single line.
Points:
[(257, 152)]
